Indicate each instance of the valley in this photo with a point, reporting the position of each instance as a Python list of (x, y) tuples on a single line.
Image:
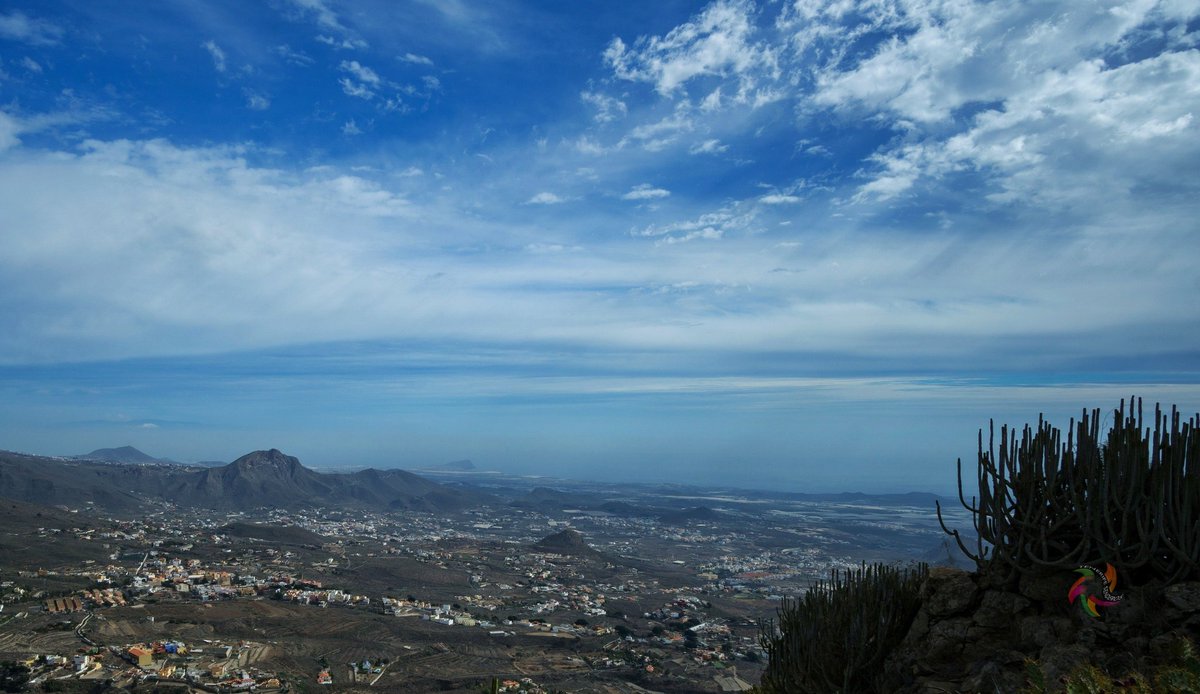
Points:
[(551, 585)]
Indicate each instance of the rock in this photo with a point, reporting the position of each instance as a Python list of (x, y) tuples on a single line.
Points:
[(998, 609), (1137, 645), (938, 687), (1163, 645), (1085, 635), (1120, 663), (1047, 585), (945, 640), (950, 592), (1038, 631), (1003, 673), (1133, 609), (974, 634), (1057, 660), (919, 628), (1184, 597)]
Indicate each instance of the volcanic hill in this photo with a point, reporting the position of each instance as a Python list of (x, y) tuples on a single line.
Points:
[(568, 542)]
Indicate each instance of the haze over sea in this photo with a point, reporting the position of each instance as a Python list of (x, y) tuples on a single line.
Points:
[(778, 244)]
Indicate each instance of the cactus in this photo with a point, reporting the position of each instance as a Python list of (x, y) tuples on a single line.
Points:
[(835, 638), (1132, 500)]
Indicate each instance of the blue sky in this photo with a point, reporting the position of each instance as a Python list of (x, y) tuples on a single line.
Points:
[(798, 244)]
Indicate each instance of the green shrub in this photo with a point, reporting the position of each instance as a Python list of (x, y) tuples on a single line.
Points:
[(835, 638), (14, 677)]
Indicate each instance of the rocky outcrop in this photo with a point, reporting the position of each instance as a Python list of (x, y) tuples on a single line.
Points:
[(972, 636), (568, 542)]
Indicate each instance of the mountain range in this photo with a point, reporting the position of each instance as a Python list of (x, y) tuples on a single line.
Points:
[(261, 478)]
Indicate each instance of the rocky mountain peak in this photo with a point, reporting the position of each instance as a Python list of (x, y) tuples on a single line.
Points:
[(273, 459)]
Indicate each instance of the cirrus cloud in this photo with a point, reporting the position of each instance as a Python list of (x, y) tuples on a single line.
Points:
[(645, 191)]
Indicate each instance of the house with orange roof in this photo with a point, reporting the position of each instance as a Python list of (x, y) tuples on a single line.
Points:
[(141, 656)]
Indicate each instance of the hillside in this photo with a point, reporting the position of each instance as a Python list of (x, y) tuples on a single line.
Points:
[(262, 478), (77, 483), (696, 513), (568, 542), (542, 498), (276, 535)]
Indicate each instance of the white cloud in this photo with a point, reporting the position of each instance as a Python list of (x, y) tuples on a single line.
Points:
[(586, 145), (713, 146), (8, 132), (351, 128), (645, 191), (218, 55), (1024, 96), (394, 104), (1078, 140), (658, 135), (549, 248), (707, 233), (607, 108), (31, 65), (352, 88), (544, 198), (214, 225), (361, 72), (17, 26), (717, 42), (1056, 92), (709, 226), (1053, 136), (320, 11), (943, 56), (292, 56), (349, 44), (256, 101), (416, 59), (262, 257), (363, 82)]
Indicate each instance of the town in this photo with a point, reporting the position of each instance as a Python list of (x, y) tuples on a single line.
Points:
[(542, 596)]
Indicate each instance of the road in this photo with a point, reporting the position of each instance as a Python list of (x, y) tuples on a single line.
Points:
[(79, 629)]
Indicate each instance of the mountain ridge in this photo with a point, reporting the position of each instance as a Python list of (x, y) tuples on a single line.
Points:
[(122, 454), (259, 478)]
